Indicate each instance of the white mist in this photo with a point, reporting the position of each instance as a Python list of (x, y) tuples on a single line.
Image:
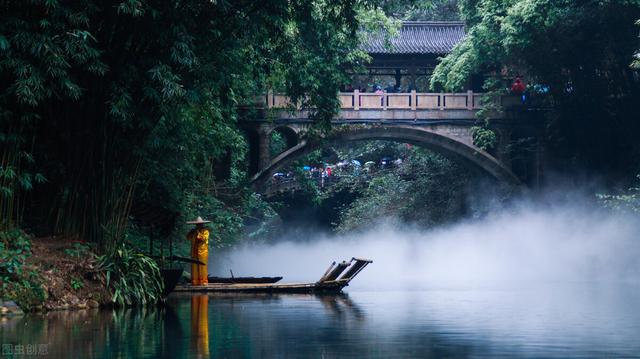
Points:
[(522, 245)]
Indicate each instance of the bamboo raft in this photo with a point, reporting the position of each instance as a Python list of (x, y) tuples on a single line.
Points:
[(336, 277)]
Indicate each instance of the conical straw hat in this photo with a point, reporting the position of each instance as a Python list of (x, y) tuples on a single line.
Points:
[(198, 220)]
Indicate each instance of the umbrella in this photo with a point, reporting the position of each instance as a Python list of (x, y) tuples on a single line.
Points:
[(306, 168), (356, 163), (369, 163)]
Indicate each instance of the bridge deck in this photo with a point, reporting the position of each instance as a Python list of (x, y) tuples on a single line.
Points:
[(413, 100), (396, 107)]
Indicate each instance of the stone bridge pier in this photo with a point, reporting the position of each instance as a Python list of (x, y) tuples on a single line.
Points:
[(259, 137)]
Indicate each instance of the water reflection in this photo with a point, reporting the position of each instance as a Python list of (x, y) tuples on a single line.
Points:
[(564, 322), (200, 325), (341, 306), (92, 333)]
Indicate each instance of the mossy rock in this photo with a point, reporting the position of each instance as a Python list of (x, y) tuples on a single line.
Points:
[(9, 308), (27, 297)]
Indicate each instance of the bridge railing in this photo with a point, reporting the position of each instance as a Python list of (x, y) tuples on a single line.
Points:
[(413, 100)]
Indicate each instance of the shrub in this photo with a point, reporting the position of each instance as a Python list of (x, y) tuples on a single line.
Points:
[(627, 201), (76, 284), (15, 247), (132, 277), (78, 250), (27, 292), (16, 283), (484, 138)]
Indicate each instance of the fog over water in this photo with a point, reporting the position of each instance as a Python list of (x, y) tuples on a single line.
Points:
[(542, 242), (553, 277), (550, 279)]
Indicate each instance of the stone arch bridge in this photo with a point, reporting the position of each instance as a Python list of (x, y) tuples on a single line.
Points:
[(441, 122)]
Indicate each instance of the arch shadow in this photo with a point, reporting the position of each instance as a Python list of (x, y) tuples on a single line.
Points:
[(290, 135)]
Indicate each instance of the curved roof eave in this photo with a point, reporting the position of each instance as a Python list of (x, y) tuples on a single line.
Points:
[(417, 37)]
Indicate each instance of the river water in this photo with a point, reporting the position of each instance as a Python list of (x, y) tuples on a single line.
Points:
[(552, 321)]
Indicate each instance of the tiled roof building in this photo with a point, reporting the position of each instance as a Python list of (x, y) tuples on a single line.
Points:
[(406, 61), (414, 37)]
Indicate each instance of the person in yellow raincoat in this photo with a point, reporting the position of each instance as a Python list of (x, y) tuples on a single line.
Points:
[(199, 238)]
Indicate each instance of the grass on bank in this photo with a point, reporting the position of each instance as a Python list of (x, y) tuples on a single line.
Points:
[(58, 273)]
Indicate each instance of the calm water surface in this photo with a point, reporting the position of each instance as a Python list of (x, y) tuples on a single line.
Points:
[(560, 321)]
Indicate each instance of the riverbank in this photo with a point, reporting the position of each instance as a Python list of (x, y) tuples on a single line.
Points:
[(58, 274)]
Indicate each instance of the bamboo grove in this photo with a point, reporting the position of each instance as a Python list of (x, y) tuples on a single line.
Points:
[(109, 105)]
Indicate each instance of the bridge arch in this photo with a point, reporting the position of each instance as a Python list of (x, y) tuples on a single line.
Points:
[(448, 146)]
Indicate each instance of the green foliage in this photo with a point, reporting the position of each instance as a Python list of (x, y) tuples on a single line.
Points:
[(381, 200), (578, 52), (372, 150), (15, 248), (27, 292), (177, 174), (17, 176), (133, 277), (426, 190), (259, 218), (16, 281), (483, 137), (130, 104), (76, 284), (626, 202), (277, 144), (78, 250), (422, 10)]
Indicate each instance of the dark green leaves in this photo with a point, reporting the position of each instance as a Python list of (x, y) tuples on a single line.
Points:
[(133, 278), (132, 102), (4, 43), (578, 52)]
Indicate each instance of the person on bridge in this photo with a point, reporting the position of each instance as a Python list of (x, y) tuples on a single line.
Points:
[(380, 92), (199, 237), (518, 87)]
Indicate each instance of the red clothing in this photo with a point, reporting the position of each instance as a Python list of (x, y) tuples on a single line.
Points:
[(518, 87)]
